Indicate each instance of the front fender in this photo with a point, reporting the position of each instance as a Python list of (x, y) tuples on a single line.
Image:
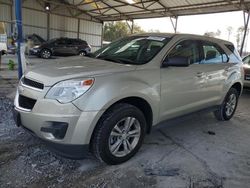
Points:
[(109, 89)]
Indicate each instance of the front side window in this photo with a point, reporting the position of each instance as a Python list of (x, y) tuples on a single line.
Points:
[(213, 54), (132, 50), (60, 42), (188, 49)]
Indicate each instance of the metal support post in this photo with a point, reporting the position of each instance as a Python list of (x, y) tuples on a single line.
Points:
[(174, 22), (18, 10), (246, 21)]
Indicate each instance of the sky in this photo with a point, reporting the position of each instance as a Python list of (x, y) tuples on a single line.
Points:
[(199, 24)]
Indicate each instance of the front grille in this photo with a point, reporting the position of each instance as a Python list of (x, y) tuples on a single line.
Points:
[(26, 102), (32, 83)]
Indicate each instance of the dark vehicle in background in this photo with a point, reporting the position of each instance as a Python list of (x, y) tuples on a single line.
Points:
[(32, 41), (63, 47), (246, 66), (36, 39)]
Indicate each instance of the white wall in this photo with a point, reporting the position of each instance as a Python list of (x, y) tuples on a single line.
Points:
[(61, 24)]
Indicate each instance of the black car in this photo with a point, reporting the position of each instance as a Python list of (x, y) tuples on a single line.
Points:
[(63, 47)]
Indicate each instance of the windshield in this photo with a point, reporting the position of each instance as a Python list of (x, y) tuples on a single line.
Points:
[(132, 50)]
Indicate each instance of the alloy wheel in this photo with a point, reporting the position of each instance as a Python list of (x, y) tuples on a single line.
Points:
[(230, 104), (124, 137), (46, 54)]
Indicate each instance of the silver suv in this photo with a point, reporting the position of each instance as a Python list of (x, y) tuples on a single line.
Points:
[(107, 102)]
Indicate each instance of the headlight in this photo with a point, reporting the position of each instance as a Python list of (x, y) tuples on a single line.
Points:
[(36, 47), (69, 90)]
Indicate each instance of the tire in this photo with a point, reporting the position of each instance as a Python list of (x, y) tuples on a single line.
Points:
[(114, 149), (82, 53), (225, 112), (45, 54)]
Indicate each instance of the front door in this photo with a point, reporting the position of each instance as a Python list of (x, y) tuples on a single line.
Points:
[(182, 88)]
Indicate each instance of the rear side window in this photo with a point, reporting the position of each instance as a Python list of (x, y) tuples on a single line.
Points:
[(235, 56), (77, 42), (60, 42), (70, 41), (213, 54), (83, 42)]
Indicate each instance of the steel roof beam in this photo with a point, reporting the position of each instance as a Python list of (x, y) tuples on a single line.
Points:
[(70, 6), (188, 7), (123, 4)]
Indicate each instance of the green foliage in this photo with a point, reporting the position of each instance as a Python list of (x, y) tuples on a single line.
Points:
[(11, 65), (116, 30), (213, 34)]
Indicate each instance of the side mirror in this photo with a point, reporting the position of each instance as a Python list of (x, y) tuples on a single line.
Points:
[(176, 62)]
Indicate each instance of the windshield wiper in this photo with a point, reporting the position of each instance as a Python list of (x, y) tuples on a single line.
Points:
[(113, 60), (117, 60)]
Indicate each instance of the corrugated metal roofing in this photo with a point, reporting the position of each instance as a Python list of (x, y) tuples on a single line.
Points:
[(113, 10)]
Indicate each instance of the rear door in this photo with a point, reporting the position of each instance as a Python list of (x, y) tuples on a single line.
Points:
[(216, 67), (72, 46)]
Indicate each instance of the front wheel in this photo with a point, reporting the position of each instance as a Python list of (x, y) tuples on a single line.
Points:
[(119, 134), (45, 53), (227, 109)]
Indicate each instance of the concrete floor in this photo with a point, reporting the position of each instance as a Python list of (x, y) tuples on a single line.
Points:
[(195, 151)]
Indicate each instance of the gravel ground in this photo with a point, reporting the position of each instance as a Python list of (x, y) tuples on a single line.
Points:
[(195, 151)]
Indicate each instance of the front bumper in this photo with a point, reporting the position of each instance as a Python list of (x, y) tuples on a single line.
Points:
[(46, 117), (73, 151), (34, 51)]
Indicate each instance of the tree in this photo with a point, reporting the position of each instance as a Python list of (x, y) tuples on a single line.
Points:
[(138, 29), (229, 30), (239, 35), (212, 33), (154, 31), (115, 30)]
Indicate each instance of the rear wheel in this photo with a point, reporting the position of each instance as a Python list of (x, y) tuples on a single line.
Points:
[(227, 109), (119, 134), (45, 53), (82, 53)]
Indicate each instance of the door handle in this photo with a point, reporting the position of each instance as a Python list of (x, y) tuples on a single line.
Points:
[(200, 74)]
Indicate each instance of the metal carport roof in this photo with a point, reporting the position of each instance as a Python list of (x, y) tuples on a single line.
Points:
[(114, 10)]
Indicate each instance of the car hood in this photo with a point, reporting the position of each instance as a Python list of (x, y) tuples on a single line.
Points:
[(75, 67)]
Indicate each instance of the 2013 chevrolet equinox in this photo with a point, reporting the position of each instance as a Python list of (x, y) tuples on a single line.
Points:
[(106, 103)]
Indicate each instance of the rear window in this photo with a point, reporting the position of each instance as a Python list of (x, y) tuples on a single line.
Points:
[(83, 42), (235, 56)]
